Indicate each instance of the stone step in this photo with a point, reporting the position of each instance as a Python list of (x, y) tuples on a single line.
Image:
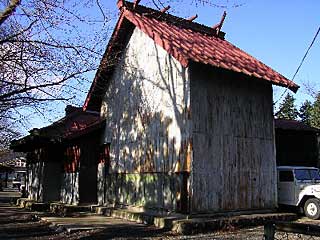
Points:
[(159, 220), (106, 211), (64, 210), (37, 207), (22, 202), (203, 225), (32, 205)]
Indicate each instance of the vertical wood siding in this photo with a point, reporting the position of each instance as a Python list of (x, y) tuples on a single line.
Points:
[(147, 109), (233, 142), (44, 173), (70, 178), (79, 181)]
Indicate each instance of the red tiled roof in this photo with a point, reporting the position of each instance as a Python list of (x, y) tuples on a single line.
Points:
[(72, 123), (188, 41), (71, 126)]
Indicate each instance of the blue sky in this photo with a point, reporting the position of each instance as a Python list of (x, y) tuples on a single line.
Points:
[(277, 33)]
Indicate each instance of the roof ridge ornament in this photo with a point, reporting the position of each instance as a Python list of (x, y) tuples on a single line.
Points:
[(218, 26), (120, 4), (136, 3), (165, 9), (192, 18)]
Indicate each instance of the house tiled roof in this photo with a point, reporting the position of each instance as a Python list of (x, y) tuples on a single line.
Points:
[(286, 124), (188, 41), (74, 124)]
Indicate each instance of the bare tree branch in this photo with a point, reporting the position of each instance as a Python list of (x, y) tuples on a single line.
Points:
[(29, 88), (10, 9)]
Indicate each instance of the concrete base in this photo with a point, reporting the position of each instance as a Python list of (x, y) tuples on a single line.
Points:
[(161, 220), (64, 210), (198, 223), (180, 223), (203, 225)]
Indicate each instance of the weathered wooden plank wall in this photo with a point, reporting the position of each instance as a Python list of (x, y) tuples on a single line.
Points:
[(89, 159), (70, 178), (233, 164), (79, 182), (44, 173), (147, 112), (35, 189)]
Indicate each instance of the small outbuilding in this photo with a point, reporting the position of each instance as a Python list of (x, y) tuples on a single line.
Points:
[(62, 158)]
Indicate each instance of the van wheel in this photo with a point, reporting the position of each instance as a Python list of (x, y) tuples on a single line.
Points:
[(312, 208)]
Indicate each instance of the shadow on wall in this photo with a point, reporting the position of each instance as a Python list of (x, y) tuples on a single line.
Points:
[(70, 176), (35, 168), (148, 126), (70, 188), (79, 181)]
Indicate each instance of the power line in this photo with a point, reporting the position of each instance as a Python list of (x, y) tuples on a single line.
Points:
[(305, 55), (302, 60)]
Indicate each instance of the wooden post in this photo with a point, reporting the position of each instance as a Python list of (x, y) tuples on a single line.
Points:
[(269, 231)]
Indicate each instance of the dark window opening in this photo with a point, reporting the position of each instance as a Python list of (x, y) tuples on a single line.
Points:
[(286, 176)]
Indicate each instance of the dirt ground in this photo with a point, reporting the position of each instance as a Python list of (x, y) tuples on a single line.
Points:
[(16, 223)]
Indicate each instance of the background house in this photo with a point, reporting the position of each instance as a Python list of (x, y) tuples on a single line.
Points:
[(297, 143), (189, 117), (12, 169), (62, 158)]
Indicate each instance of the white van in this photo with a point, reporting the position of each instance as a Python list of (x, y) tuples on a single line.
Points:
[(300, 187)]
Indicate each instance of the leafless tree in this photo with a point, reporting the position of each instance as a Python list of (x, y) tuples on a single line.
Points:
[(190, 4), (46, 48)]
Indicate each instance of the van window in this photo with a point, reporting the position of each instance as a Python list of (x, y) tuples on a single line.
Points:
[(286, 176)]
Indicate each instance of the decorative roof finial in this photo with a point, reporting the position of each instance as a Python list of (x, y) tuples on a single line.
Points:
[(120, 3), (136, 2), (219, 25), (192, 18), (165, 9)]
